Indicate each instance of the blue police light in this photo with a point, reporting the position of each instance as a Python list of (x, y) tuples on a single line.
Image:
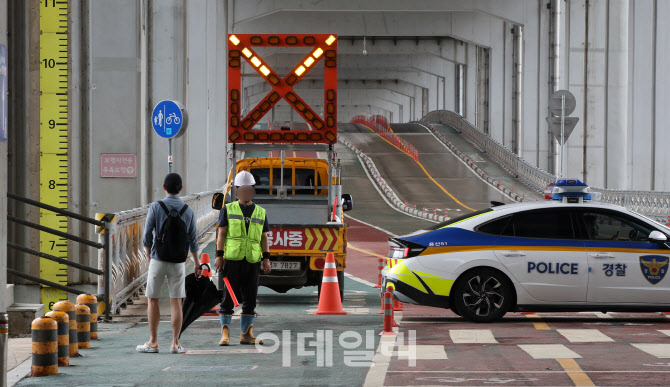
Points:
[(571, 191)]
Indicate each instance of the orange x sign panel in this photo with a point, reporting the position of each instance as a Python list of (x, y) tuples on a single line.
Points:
[(323, 47)]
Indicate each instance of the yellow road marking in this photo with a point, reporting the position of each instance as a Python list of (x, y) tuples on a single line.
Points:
[(424, 170), (539, 325), (349, 246), (575, 372)]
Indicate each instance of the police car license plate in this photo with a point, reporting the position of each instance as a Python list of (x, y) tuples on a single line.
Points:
[(285, 265)]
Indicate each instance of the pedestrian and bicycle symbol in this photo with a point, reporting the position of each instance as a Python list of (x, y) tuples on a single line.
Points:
[(167, 119)]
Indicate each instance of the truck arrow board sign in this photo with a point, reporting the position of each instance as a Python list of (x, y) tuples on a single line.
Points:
[(242, 47)]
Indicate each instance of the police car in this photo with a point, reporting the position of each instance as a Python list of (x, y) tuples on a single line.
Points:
[(569, 254)]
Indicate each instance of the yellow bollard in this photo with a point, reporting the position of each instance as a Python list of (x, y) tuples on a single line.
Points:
[(68, 307), (63, 322), (45, 346), (83, 326), (91, 301)]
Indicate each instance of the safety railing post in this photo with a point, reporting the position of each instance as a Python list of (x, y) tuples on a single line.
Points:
[(4, 343), (108, 271)]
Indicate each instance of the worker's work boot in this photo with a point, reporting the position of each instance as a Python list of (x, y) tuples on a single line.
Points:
[(225, 329), (247, 324)]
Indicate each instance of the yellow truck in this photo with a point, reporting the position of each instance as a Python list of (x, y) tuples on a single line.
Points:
[(305, 209)]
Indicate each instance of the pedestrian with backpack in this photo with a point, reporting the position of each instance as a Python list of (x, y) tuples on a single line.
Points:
[(170, 233)]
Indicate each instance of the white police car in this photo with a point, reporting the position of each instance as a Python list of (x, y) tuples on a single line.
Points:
[(567, 255)]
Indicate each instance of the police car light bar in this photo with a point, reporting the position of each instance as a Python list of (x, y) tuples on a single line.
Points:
[(571, 191)]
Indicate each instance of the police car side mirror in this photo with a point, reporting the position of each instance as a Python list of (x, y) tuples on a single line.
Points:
[(217, 201), (657, 237), (347, 202)]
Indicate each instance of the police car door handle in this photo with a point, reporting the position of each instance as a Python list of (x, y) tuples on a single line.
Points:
[(602, 255), (513, 254)]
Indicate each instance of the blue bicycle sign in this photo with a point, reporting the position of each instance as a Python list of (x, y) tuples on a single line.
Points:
[(167, 119)]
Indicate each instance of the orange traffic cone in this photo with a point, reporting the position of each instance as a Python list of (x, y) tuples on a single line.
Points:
[(206, 271), (329, 301), (397, 306)]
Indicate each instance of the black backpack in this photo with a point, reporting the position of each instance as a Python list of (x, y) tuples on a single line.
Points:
[(172, 242)]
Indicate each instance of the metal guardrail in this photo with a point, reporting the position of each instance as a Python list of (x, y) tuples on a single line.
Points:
[(103, 245), (655, 205), (379, 125), (129, 263)]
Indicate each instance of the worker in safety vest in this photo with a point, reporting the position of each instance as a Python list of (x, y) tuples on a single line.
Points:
[(241, 249)]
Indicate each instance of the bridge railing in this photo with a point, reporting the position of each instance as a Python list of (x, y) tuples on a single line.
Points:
[(655, 205), (129, 262), (380, 125)]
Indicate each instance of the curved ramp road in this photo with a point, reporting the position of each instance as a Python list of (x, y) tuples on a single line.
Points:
[(444, 181), (481, 159)]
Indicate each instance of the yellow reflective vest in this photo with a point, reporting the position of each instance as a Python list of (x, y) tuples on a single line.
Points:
[(241, 244)]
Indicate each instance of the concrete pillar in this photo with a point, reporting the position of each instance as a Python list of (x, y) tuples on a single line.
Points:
[(3, 171), (641, 164), (662, 96), (616, 109)]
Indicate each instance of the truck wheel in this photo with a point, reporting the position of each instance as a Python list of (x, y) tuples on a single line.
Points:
[(483, 295), (340, 281)]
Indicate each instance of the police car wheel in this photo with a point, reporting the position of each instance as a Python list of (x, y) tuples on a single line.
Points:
[(482, 295)]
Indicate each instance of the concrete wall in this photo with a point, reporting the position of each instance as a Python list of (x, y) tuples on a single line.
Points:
[(127, 55), (3, 179)]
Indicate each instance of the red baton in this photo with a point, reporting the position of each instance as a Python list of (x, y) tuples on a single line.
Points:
[(230, 291)]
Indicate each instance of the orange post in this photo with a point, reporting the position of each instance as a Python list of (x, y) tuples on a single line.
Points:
[(68, 307), (389, 323), (83, 326), (380, 268), (91, 301), (63, 322), (45, 346)]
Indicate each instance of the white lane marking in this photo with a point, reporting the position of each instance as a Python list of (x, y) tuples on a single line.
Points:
[(357, 311), (423, 352), (372, 225), (664, 331), (661, 351), (549, 351), (380, 363), (472, 336), (584, 335), (223, 351), (359, 280), (599, 314)]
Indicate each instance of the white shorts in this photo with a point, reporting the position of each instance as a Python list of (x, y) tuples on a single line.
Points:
[(175, 273)]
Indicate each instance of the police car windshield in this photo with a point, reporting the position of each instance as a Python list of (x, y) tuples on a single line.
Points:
[(459, 219), (660, 225)]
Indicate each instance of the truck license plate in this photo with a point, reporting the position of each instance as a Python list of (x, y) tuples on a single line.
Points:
[(284, 265)]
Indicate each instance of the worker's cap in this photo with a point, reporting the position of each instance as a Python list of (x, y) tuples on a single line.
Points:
[(244, 178)]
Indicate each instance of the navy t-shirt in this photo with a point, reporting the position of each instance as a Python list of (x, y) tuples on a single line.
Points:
[(247, 211)]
